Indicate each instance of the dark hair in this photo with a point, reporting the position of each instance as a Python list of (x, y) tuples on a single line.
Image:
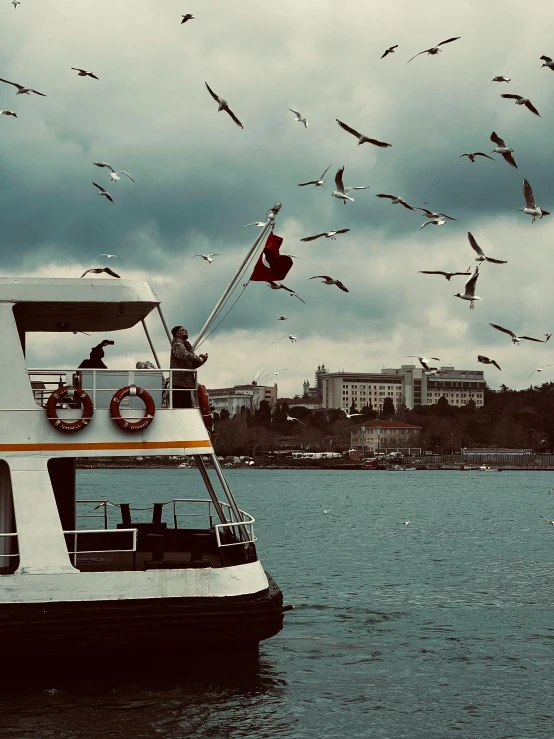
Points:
[(175, 330)]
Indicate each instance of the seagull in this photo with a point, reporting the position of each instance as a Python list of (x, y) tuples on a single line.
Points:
[(501, 148), (532, 209), (84, 73), (546, 519), (23, 90), (351, 415), (109, 256), (8, 112), (517, 339), (522, 101), (471, 157), (282, 318), (207, 257), (540, 369), (486, 360), (547, 62), (500, 78), (15, 3), (470, 289), (448, 275), (327, 234), (223, 105), (342, 192), (299, 117), (292, 418), (326, 280), (482, 256), (362, 138), (317, 183), (292, 338), (395, 199), (103, 192), (324, 511), (187, 17), (390, 50), (114, 174), (424, 361), (433, 222), (435, 214), (99, 270), (280, 286), (404, 523), (434, 49)]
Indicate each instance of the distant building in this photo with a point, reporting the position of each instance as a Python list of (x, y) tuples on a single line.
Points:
[(250, 396), (424, 388), (376, 436), (344, 389), (317, 390), (312, 403)]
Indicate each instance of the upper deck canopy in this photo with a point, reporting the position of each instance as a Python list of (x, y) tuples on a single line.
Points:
[(69, 304)]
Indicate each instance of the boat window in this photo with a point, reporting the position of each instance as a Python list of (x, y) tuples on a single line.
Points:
[(9, 552)]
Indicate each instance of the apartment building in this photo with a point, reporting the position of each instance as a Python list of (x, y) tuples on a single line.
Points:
[(344, 389)]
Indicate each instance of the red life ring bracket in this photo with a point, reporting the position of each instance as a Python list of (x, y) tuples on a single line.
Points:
[(204, 403), (69, 427), (125, 423)]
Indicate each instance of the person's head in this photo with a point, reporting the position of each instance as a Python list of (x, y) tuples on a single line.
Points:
[(180, 331)]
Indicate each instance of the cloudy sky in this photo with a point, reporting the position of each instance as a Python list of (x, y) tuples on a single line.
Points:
[(200, 179)]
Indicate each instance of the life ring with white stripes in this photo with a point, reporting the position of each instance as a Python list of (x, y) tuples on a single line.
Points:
[(69, 427), (125, 423), (204, 403)]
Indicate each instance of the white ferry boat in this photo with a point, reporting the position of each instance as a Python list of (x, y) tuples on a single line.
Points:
[(192, 586)]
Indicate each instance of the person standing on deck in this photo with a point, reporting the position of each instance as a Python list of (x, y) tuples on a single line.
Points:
[(183, 357)]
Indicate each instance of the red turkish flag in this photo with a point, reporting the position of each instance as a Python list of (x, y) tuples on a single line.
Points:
[(271, 266)]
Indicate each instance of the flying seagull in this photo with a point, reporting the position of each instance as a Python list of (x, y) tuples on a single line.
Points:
[(84, 73), (404, 523), (292, 338), (280, 286), (395, 199), (299, 118), (470, 289), (99, 270), (23, 90), (15, 3), (351, 415), (187, 17), (547, 62), (8, 112), (317, 183), (292, 418), (103, 192), (390, 50), (435, 214), (501, 78), (540, 369), (482, 257), (223, 105), (207, 257), (342, 192), (424, 361), (326, 280), (532, 209), (501, 148), (282, 318), (259, 224), (546, 519), (517, 339), (486, 360), (362, 138), (448, 275), (434, 49), (433, 222), (522, 101), (109, 256), (327, 234), (114, 174), (471, 157)]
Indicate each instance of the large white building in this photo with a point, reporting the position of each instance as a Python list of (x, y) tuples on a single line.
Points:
[(234, 398), (344, 389)]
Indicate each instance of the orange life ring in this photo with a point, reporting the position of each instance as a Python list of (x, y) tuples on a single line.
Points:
[(149, 408), (204, 403), (69, 426)]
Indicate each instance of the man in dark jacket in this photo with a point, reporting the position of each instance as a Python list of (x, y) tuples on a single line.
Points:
[(95, 358), (183, 357)]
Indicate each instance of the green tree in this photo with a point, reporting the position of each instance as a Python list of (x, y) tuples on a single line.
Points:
[(388, 408)]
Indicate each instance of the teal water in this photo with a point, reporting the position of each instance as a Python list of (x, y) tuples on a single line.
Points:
[(443, 627)]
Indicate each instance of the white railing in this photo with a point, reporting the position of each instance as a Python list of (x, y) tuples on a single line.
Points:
[(101, 384), (246, 523)]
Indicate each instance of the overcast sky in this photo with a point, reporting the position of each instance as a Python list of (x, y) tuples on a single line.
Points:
[(200, 178)]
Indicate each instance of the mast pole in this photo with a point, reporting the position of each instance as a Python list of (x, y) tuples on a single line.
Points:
[(150, 342), (268, 224)]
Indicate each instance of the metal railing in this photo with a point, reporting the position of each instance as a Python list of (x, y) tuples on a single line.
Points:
[(7, 556), (101, 384), (101, 504), (246, 521)]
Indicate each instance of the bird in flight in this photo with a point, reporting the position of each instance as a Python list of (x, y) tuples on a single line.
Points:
[(395, 200), (517, 339), (485, 360), (342, 192), (327, 234), (390, 50), (280, 286), (434, 49), (362, 138), (84, 73), (532, 209), (435, 214), (15, 3), (501, 148), (299, 118), (433, 222), (482, 257), (99, 270), (547, 520), (351, 415), (520, 100), (469, 293), (448, 275), (187, 17), (207, 257), (540, 369), (472, 156), (109, 256), (292, 418), (259, 224), (8, 112), (404, 523), (424, 361), (547, 62), (103, 192), (223, 105), (21, 90), (326, 280), (114, 174), (317, 183), (282, 318), (501, 78)]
